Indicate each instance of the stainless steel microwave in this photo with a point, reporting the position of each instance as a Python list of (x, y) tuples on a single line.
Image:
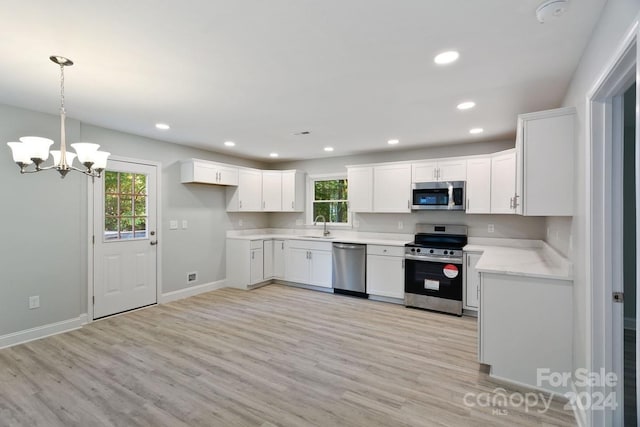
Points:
[(438, 196)]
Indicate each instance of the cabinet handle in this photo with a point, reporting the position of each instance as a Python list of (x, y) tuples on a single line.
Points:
[(310, 255), (468, 204), (403, 263), (515, 201), (253, 255), (468, 259), (240, 204), (264, 204), (283, 246), (408, 204), (511, 203), (435, 170), (438, 174), (292, 207)]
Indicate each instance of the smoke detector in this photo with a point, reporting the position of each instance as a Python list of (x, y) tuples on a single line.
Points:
[(551, 9)]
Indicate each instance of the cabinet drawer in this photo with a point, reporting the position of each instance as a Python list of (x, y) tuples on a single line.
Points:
[(311, 245), (256, 244), (385, 250)]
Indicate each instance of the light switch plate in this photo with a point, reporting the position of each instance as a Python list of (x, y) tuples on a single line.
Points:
[(184, 224), (34, 302), (173, 224), (491, 228)]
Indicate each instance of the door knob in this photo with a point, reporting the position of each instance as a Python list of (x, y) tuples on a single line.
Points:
[(153, 243)]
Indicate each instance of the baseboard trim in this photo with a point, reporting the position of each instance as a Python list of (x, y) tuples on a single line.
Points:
[(192, 291), (630, 323), (22, 337)]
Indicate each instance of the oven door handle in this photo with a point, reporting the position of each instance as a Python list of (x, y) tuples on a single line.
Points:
[(434, 259)]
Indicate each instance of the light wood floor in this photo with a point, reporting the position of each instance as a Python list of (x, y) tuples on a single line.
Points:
[(272, 356)]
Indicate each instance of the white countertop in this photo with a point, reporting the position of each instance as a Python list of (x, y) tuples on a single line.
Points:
[(387, 239), (532, 258)]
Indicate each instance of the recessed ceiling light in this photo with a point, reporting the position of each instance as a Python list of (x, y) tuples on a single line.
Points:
[(466, 105), (446, 57), (273, 155), (163, 126), (393, 141), (230, 143), (328, 148), (475, 131)]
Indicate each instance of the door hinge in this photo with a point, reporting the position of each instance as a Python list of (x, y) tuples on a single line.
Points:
[(618, 297)]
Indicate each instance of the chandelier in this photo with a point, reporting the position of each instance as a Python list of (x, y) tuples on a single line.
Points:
[(35, 150)]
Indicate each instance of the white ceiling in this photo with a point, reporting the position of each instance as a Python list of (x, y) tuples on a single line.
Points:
[(353, 72)]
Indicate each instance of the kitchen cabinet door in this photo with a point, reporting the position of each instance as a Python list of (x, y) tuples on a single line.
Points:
[(545, 147), (385, 276), (452, 170), (247, 196), (227, 175), (278, 259), (297, 265), (424, 172), (268, 259), (292, 191), (271, 191), (503, 182), (257, 266), (472, 282), (360, 188), (478, 186), (320, 268), (392, 188)]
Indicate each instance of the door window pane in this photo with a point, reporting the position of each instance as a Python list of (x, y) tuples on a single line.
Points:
[(125, 206)]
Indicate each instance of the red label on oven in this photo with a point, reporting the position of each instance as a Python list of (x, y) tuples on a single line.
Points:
[(451, 271)]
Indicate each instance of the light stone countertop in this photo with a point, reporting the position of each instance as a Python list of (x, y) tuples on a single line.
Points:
[(531, 258), (385, 239)]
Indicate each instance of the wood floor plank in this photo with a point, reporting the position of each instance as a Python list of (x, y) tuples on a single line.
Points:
[(274, 356)]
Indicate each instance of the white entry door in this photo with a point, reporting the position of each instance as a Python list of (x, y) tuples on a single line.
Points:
[(124, 271)]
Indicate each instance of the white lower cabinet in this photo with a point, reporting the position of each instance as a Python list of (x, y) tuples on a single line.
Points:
[(308, 262), (268, 265), (525, 323), (245, 262), (472, 281), (385, 271), (278, 259)]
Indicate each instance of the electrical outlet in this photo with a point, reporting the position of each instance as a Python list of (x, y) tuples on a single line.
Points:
[(240, 223), (400, 225), (34, 302), (184, 224), (192, 277), (491, 228), (173, 224)]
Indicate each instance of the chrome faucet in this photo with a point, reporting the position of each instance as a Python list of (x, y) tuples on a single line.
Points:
[(325, 232)]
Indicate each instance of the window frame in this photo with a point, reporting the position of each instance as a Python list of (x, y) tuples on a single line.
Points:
[(311, 180)]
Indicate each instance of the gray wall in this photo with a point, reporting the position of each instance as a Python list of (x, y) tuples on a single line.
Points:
[(615, 21), (43, 246)]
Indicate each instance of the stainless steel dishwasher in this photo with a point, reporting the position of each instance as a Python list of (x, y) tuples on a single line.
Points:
[(349, 269)]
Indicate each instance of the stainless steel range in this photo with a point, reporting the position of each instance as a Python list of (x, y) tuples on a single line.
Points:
[(433, 268)]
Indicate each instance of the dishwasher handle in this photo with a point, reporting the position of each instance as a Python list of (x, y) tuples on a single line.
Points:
[(348, 246)]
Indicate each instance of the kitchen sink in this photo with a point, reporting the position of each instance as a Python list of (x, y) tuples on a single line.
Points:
[(319, 237)]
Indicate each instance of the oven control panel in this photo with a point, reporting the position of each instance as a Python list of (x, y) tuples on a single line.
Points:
[(433, 252)]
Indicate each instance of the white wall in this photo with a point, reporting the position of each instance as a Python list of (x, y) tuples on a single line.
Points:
[(43, 244), (615, 20)]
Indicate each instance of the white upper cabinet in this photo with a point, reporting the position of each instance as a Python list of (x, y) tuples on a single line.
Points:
[(360, 188), (392, 188), (424, 172), (503, 182), (443, 170), (452, 170), (293, 185), (247, 197), (206, 172), (545, 147), (478, 186), (271, 191)]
